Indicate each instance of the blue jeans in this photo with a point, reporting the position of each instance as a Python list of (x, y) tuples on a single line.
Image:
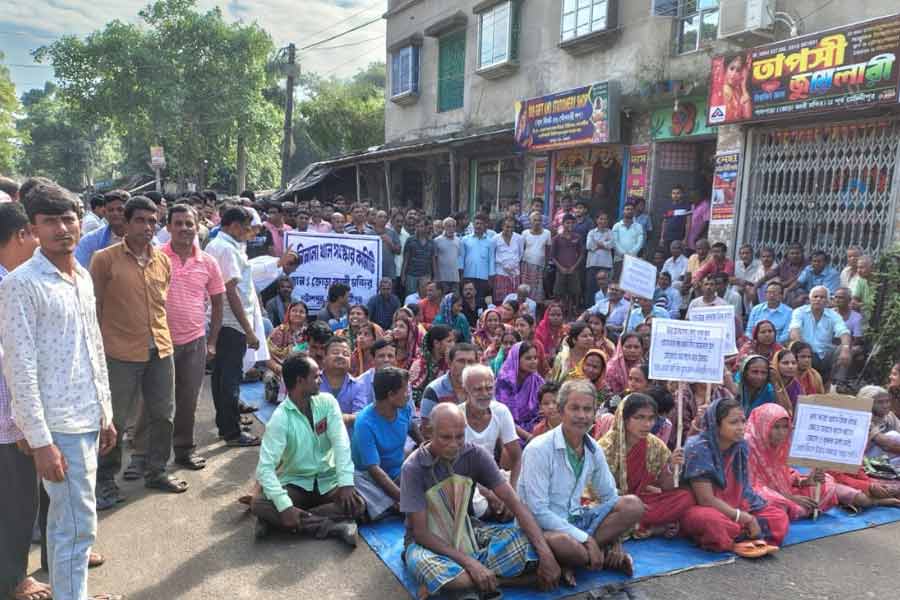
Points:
[(72, 518)]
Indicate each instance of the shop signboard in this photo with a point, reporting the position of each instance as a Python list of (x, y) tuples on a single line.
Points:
[(585, 115), (540, 178), (854, 66), (724, 187), (638, 171), (684, 119)]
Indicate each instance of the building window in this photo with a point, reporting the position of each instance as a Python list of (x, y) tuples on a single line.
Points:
[(451, 70), (581, 17), (498, 34), (698, 24), (405, 71)]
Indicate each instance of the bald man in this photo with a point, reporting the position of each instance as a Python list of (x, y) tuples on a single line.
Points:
[(450, 465)]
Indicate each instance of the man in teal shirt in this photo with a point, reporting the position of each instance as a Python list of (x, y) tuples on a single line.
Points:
[(305, 468)]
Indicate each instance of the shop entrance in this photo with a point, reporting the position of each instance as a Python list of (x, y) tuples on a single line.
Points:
[(825, 186)]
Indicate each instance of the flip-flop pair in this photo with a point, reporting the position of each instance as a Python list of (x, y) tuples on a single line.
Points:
[(754, 549)]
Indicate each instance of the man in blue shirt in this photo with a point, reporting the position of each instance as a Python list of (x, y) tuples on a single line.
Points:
[(819, 272), (379, 438), (337, 381), (476, 258), (644, 310), (818, 326), (107, 235), (774, 310), (384, 304)]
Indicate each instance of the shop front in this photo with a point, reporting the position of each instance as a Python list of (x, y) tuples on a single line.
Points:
[(573, 137), (822, 129)]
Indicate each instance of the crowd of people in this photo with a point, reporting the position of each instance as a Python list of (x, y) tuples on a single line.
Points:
[(494, 391)]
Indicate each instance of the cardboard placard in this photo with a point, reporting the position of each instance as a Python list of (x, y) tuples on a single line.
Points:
[(720, 315), (638, 277), (831, 432), (686, 351)]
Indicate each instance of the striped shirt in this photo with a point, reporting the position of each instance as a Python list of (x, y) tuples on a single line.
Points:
[(192, 282), (9, 433)]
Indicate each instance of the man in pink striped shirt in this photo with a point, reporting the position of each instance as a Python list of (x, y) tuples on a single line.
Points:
[(195, 276), (276, 226)]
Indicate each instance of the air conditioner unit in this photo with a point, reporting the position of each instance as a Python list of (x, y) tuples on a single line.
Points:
[(747, 22)]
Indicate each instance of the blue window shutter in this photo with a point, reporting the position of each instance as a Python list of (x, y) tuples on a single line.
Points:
[(396, 82), (414, 70)]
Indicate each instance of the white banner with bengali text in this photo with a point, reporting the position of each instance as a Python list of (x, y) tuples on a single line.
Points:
[(686, 351)]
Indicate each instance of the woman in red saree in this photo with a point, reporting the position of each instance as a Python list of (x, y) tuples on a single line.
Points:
[(551, 330), (761, 342), (489, 334), (810, 380), (629, 353), (643, 465), (524, 326), (406, 338)]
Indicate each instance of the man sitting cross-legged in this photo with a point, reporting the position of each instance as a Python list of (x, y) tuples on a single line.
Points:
[(305, 469), (379, 436), (444, 550), (556, 467)]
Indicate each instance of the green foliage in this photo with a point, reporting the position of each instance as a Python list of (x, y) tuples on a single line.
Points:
[(884, 333), (54, 145), (9, 106), (336, 116), (183, 79)]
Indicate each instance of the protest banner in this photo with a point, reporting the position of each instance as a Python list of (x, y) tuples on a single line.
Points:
[(831, 432), (328, 258), (720, 315), (638, 277), (686, 351)]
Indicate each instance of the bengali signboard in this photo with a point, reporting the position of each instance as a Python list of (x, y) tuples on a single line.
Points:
[(853, 66), (685, 121), (719, 315), (327, 258), (724, 187), (830, 432), (686, 351), (638, 171), (638, 277), (585, 115)]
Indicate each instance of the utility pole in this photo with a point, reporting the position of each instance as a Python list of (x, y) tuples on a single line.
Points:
[(288, 114)]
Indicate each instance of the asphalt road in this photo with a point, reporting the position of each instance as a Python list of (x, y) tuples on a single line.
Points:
[(200, 545)]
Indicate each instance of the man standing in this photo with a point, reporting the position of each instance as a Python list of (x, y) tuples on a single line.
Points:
[(446, 257), (131, 280), (338, 222), (93, 218), (556, 467), (359, 214), (476, 257), (819, 326), (534, 257), (398, 220), (237, 330), (774, 311), (316, 223), (305, 469), (418, 256), (567, 253), (698, 224), (195, 276), (17, 510), (599, 245), (390, 245), (384, 304), (276, 226), (674, 225), (57, 377), (628, 237), (508, 250), (112, 233)]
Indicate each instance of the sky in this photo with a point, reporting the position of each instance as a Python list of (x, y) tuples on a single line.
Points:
[(28, 24)]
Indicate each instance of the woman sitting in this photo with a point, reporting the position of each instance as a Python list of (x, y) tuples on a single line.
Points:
[(284, 339), (509, 310), (629, 354), (507, 341), (810, 380), (487, 334), (642, 465), (638, 379), (597, 321), (433, 360), (728, 509), (524, 325), (784, 377), (578, 342), (884, 432), (450, 314), (406, 337), (694, 402), (762, 342), (768, 435), (357, 318), (753, 386), (551, 330), (893, 387), (361, 356), (518, 384)]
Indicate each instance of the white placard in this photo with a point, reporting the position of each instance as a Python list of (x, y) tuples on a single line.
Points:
[(830, 432), (638, 277), (719, 315), (686, 351), (327, 258)]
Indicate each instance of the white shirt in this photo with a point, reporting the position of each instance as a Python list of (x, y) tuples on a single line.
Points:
[(404, 235), (536, 247), (752, 272), (501, 426), (90, 223), (233, 262), (597, 256), (508, 256), (54, 362), (676, 267), (699, 302), (412, 299)]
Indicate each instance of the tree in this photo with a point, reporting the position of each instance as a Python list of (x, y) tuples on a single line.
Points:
[(9, 106), (338, 115), (182, 79)]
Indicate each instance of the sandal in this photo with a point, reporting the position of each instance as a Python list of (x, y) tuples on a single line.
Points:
[(95, 559), (134, 470), (32, 589), (167, 483), (192, 462), (751, 549), (243, 441)]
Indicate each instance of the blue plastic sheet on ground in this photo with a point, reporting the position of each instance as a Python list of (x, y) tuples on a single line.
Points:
[(253, 394)]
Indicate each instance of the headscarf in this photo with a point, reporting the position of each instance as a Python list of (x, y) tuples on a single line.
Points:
[(445, 311), (522, 400), (751, 346), (793, 387), (810, 380), (425, 369), (414, 336), (283, 339), (614, 447), (748, 400), (578, 371), (458, 323), (616, 378), (545, 335), (488, 342), (703, 459)]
